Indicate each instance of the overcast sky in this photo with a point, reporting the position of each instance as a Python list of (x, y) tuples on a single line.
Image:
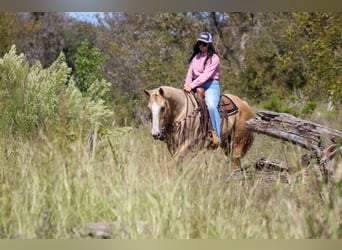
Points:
[(84, 16)]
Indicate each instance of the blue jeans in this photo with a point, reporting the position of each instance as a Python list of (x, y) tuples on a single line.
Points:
[(212, 99)]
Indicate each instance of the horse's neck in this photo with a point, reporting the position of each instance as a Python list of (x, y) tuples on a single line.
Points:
[(181, 104)]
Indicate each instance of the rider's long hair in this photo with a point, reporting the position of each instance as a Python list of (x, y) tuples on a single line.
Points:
[(196, 50)]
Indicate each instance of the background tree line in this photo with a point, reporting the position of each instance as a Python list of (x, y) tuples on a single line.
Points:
[(286, 61)]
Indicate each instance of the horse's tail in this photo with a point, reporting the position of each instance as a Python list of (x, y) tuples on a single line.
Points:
[(250, 135)]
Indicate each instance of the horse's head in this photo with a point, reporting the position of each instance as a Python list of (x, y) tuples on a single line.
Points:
[(159, 108)]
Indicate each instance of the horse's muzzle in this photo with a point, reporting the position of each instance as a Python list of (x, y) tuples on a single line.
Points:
[(158, 136)]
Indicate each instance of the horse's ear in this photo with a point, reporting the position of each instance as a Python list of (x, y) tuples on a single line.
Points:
[(147, 92), (161, 91)]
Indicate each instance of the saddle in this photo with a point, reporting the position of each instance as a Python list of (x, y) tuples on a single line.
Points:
[(227, 107)]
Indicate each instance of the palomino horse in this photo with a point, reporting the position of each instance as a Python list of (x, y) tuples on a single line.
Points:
[(178, 121)]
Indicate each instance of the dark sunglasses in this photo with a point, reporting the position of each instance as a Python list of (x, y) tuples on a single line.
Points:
[(202, 43)]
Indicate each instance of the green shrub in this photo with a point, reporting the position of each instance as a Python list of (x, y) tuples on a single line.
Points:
[(309, 107), (277, 103), (34, 98)]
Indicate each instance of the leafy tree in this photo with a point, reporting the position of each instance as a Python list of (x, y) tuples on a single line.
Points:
[(312, 57), (43, 35), (9, 25), (282, 61), (88, 66), (76, 32), (254, 41), (144, 51)]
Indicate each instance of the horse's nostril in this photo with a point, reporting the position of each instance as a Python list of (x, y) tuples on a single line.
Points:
[(156, 135)]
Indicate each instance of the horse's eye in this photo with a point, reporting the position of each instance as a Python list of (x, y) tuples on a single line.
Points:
[(162, 109)]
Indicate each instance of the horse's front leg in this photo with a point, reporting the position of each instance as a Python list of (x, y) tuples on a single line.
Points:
[(178, 155)]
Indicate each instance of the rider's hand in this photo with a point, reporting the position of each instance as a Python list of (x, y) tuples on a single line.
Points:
[(187, 88)]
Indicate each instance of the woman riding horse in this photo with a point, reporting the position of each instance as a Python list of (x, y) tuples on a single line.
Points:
[(204, 72)]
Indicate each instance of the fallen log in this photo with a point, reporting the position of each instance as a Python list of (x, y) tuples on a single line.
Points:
[(278, 165), (325, 143)]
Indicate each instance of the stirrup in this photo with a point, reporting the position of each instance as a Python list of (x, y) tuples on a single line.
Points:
[(213, 142)]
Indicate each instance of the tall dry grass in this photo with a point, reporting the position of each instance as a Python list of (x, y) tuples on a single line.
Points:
[(53, 189)]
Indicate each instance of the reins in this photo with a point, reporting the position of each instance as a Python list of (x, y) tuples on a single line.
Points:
[(175, 133), (187, 115)]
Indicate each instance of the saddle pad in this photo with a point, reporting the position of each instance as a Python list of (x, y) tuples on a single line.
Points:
[(227, 107)]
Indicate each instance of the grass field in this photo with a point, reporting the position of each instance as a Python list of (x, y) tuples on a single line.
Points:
[(53, 189)]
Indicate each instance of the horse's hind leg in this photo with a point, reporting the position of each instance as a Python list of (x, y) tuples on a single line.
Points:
[(233, 148), (234, 151), (241, 145), (236, 155)]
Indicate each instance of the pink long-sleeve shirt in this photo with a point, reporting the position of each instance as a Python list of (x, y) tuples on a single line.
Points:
[(197, 73)]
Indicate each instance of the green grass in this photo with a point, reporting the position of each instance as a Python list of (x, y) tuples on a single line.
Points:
[(53, 189)]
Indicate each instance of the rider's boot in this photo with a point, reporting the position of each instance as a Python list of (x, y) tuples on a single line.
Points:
[(213, 142)]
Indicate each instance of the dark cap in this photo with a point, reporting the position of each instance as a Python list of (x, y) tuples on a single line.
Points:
[(205, 37)]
